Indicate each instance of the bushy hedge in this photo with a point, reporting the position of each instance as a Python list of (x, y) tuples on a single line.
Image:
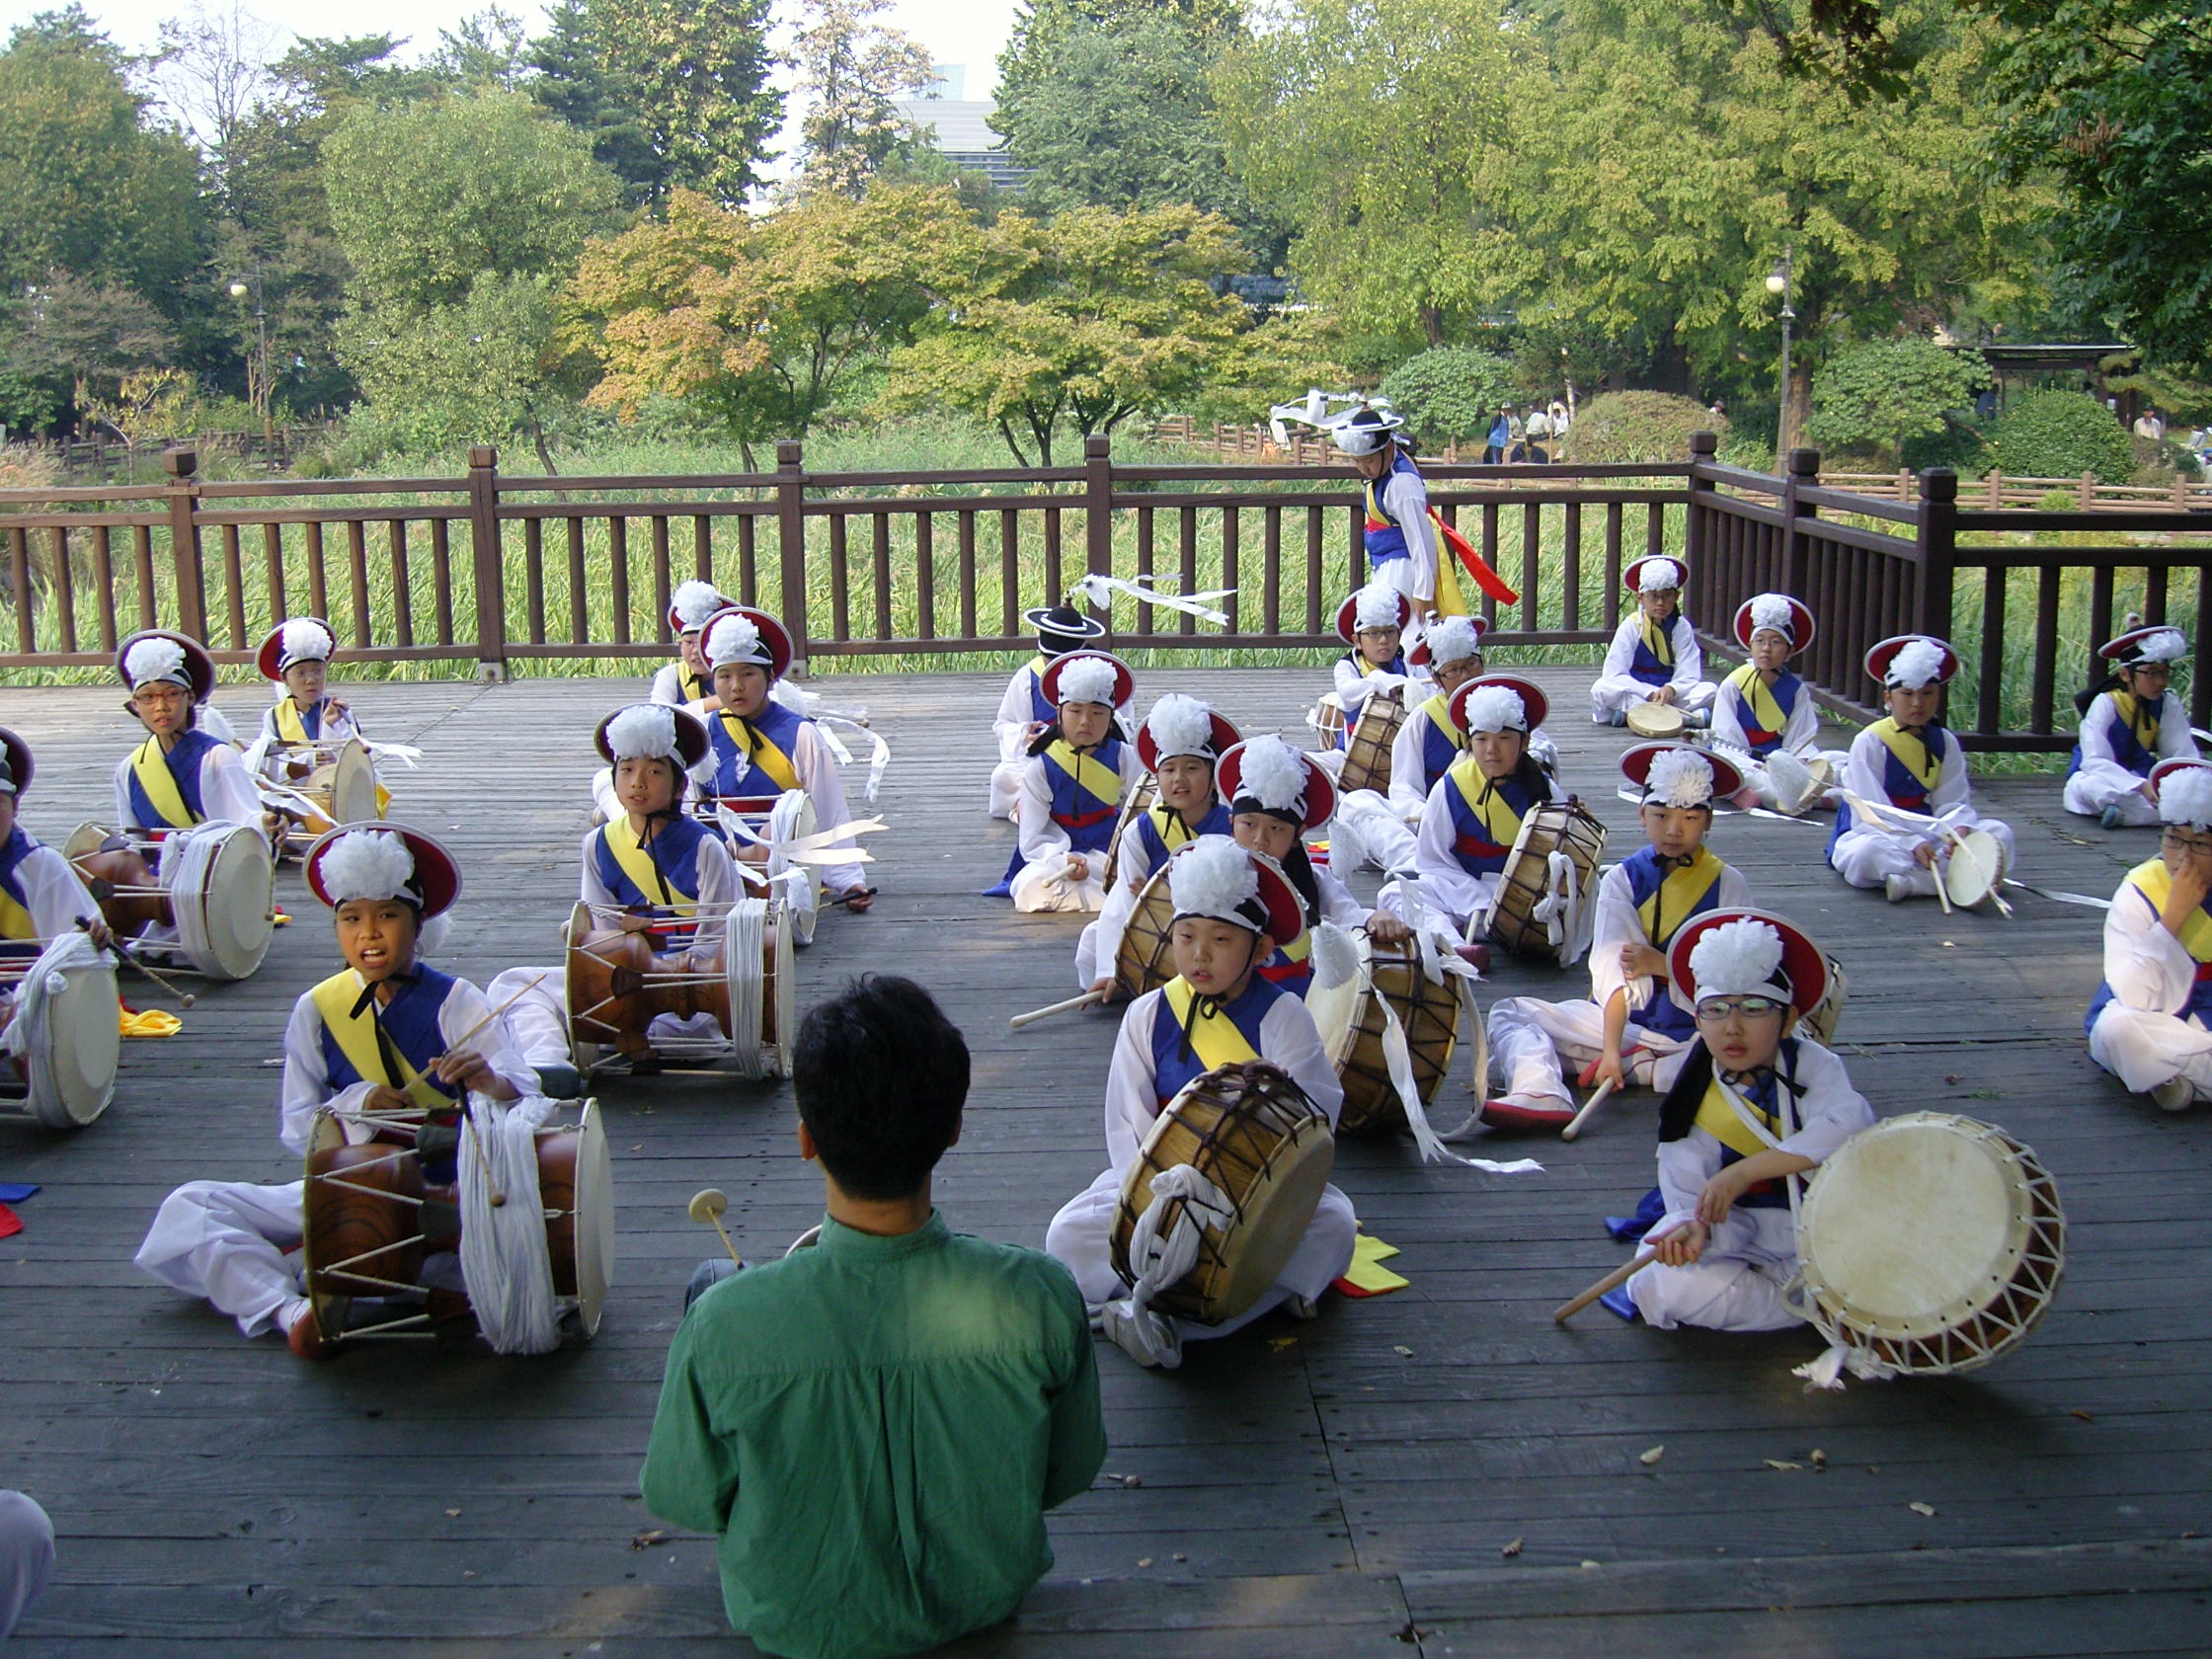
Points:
[(1870, 400), (1628, 428), (1451, 395), (2062, 435)]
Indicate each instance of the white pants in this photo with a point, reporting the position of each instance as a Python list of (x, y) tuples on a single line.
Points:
[(1867, 857), (1043, 886), (1081, 1237), (1618, 694), (1006, 786), (1455, 896), (228, 1242), (2100, 784), (25, 1556), (1380, 836), (1736, 1285), (1533, 1042), (2145, 1049)]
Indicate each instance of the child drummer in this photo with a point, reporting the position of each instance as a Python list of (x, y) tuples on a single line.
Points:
[(42, 897), (1025, 711), (762, 748), (1373, 622), (1071, 787), (296, 656), (1762, 708), (1907, 760), (1472, 816), (1629, 1029), (1654, 656), (2131, 722), (1229, 908), (180, 776), (2151, 1022), (1179, 744), (1753, 1108), (686, 683), (1277, 796), (386, 1035)]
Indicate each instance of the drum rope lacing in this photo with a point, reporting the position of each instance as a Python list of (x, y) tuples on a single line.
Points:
[(744, 942), (504, 1258)]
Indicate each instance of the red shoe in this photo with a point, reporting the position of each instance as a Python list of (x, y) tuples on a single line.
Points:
[(1475, 956), (307, 1340), (1528, 1114)]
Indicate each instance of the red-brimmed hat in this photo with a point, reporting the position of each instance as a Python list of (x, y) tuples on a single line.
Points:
[(1802, 961), (689, 734), (1636, 764), (774, 643), (434, 886), (1316, 799), (1346, 616), (1880, 656), (1632, 578), (1534, 705), (2158, 773), (1802, 625), (197, 664), (1282, 916), (1125, 680), (1225, 738), (1421, 655), (273, 658), (2127, 649), (689, 590), (20, 765)]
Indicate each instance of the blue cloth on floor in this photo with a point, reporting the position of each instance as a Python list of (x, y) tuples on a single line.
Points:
[(15, 1192), (1628, 1228), (1618, 1301)]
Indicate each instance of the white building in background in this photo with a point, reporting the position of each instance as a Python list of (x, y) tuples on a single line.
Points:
[(959, 129)]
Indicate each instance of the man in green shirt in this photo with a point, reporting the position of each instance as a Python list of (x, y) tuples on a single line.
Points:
[(874, 1426)]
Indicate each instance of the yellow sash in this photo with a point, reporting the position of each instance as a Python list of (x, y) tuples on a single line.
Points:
[(1168, 824), (160, 785), (1893, 735), (1213, 1039), (1439, 710), (1752, 687), (2156, 883), (2131, 709), (1718, 1119), (356, 1040), (290, 727), (15, 920), (1496, 814), (770, 758), (693, 687), (1041, 663), (1660, 642), (1674, 898), (1091, 774), (637, 863)]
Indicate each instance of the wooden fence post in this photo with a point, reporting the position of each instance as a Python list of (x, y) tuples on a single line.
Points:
[(1098, 516), (183, 491), (1804, 474), (1704, 446), (490, 563), (791, 539), (1936, 538)]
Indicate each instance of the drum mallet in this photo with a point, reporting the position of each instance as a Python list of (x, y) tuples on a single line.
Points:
[(1073, 1002), (185, 998), (1582, 1117), (1616, 1278), (707, 1205)]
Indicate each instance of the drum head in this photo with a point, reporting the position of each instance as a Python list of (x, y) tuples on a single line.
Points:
[(1275, 1217), (592, 1217), (1336, 1009), (86, 837), (72, 1063), (784, 994), (353, 785), (1976, 867), (1145, 962), (329, 1309), (1655, 720), (752, 935), (1139, 802), (1916, 1225), (1820, 1024), (223, 890)]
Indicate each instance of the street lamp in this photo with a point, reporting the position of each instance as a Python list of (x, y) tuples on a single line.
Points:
[(1778, 284), (257, 375)]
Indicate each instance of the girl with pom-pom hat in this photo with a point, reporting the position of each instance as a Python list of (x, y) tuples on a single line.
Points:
[(180, 775), (2151, 1022), (1654, 656), (1071, 787), (1024, 711), (1473, 815), (1765, 712), (2130, 722)]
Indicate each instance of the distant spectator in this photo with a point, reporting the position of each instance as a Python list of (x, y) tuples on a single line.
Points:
[(1717, 409), (1540, 436), (2149, 425), (1501, 434), (1516, 437), (1985, 406), (25, 1556)]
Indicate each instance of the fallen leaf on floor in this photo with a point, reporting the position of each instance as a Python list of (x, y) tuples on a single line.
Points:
[(1181, 1557), (1920, 1508), (1144, 1561), (1590, 1564), (1513, 1548), (646, 1541), (1407, 1352), (1647, 1458), (1279, 1343), (1820, 1458), (1778, 1464), (2084, 1416)]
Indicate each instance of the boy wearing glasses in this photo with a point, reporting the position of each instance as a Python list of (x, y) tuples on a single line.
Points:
[(1753, 1109), (1628, 1030), (2151, 1022), (2130, 722)]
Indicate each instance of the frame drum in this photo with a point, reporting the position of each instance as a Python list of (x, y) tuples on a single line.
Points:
[(1929, 1241), (798, 885), (761, 986), (351, 783), (1547, 903), (1145, 962), (221, 881), (1140, 799), (1350, 1019), (1655, 722), (72, 1041), (1366, 756), (1327, 720), (1820, 1020), (1254, 1135), (1975, 869), (105, 861)]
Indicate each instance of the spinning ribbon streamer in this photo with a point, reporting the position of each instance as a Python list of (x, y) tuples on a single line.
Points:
[(1100, 591)]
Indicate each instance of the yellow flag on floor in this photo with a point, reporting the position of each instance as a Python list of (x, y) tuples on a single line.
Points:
[(149, 1022), (1367, 1275)]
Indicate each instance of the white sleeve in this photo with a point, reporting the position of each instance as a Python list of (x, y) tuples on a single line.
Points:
[(124, 817), (226, 789), (667, 684), (1133, 769), (1352, 686), (306, 1086), (1337, 904), (592, 890), (1621, 655), (1132, 1102), (1801, 732), (1955, 788), (1735, 891), (2175, 740), (465, 1012), (1040, 837), (716, 874), (1545, 751), (1863, 776), (1407, 499), (1011, 727), (817, 772), (2144, 963), (336, 729), (1432, 842), (1830, 1111), (1288, 1039), (1409, 766), (1690, 655), (1616, 924), (1685, 1167), (57, 897), (1729, 728)]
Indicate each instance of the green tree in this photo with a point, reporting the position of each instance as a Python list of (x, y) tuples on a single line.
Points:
[(1076, 322), (2062, 435), (486, 48), (1368, 125), (1870, 399), (850, 68), (1452, 394), (697, 74), (574, 82)]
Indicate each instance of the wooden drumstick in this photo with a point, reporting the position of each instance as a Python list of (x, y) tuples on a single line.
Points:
[(1596, 1099), (1073, 1002), (185, 998), (464, 1038), (1616, 1278), (707, 1205)]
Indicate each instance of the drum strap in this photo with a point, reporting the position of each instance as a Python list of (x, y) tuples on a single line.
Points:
[(348, 1008), (150, 768), (1918, 752), (1207, 1029), (292, 726), (1767, 715)]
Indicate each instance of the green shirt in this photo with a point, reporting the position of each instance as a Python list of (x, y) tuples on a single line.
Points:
[(875, 1428)]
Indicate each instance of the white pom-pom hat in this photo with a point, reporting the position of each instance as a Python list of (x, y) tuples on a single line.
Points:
[(1087, 677), (1774, 613), (653, 731), (2183, 789), (1214, 878), (1180, 724), (160, 657), (382, 860), (1759, 953), (2156, 644), (302, 638), (1674, 774), (692, 604), (1655, 572), (1449, 640), (1482, 700), (741, 634), (1912, 660), (1266, 774), (1377, 605)]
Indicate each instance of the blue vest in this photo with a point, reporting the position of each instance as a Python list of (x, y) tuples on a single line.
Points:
[(182, 762), (733, 768), (675, 854), (1784, 691), (409, 1020), (1647, 667), (13, 852), (1763, 1195), (1663, 1013), (1172, 1068), (1384, 539), (2127, 746), (1088, 820), (1150, 852), (1478, 855), (1438, 752), (1040, 710)]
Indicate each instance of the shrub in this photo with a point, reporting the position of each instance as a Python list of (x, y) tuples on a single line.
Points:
[(1962, 445), (1628, 428), (1450, 395), (2062, 435), (1873, 398)]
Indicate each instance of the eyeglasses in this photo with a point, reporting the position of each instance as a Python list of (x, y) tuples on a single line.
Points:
[(1711, 1010), (2175, 842)]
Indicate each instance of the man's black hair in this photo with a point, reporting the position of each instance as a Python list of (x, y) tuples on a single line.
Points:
[(881, 1076)]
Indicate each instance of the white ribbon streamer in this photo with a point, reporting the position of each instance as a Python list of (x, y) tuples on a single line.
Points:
[(504, 1258), (1100, 591)]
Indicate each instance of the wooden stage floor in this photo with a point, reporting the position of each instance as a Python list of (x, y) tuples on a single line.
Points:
[(1439, 1472)]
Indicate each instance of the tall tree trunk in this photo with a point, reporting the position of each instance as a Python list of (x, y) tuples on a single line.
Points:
[(1432, 326), (1797, 405)]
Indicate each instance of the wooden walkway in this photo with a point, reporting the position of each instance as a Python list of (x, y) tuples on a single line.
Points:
[(1438, 1471)]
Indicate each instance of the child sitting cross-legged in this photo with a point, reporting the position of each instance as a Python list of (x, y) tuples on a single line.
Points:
[(1629, 1030), (873, 1427), (2130, 722), (1766, 712), (2150, 1023), (1654, 656), (1753, 1109), (1373, 622), (1071, 788)]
